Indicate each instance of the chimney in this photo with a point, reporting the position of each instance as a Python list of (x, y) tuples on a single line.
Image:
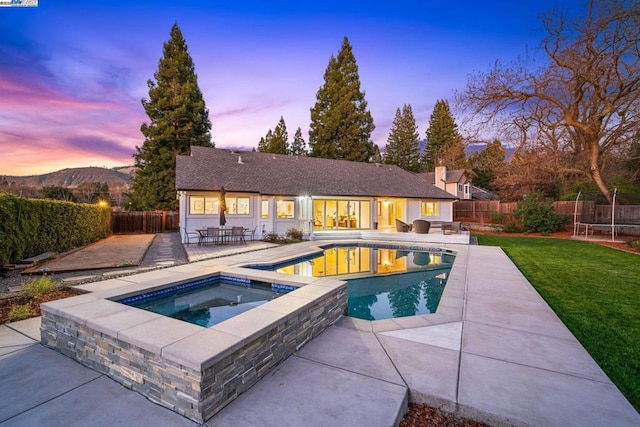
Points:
[(240, 159), (441, 177)]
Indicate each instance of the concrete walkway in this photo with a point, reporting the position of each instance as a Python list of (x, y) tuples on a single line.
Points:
[(494, 351)]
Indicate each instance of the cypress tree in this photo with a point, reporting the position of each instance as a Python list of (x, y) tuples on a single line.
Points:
[(178, 119), (442, 135), (341, 125), (403, 149)]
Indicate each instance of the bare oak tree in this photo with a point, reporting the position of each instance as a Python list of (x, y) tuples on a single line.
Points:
[(583, 105)]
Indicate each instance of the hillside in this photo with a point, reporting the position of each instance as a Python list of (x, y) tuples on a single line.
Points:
[(73, 177)]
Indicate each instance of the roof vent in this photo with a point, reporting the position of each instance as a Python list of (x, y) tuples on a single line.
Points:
[(240, 162), (378, 165)]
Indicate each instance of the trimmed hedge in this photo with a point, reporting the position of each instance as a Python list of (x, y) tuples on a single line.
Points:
[(29, 227)]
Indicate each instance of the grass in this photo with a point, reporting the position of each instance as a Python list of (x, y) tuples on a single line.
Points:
[(595, 290)]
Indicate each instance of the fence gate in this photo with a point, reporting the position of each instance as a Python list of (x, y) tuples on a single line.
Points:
[(144, 222)]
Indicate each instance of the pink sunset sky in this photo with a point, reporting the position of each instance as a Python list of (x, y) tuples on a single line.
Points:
[(72, 74)]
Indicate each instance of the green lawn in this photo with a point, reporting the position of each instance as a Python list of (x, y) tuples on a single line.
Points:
[(595, 290)]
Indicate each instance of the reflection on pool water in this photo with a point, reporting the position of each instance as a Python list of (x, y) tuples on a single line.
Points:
[(383, 282), (209, 301)]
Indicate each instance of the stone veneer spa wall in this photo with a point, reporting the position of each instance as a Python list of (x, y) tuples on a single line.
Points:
[(189, 369)]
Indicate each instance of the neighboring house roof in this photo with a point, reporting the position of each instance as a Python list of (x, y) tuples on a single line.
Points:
[(454, 175), (208, 169), (478, 193)]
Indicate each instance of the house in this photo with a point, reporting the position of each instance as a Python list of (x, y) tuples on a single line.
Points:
[(455, 182), (274, 193)]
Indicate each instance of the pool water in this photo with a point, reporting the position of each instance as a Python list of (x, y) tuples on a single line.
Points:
[(207, 302), (401, 295), (383, 282)]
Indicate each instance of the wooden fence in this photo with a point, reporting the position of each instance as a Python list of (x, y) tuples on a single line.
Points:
[(144, 222), (494, 211)]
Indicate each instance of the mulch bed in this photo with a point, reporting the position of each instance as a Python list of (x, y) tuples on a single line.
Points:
[(34, 302), (426, 416)]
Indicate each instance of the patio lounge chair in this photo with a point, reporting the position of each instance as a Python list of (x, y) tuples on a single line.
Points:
[(402, 227), (451, 227), (421, 226)]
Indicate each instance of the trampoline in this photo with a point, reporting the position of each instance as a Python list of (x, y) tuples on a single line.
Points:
[(593, 212)]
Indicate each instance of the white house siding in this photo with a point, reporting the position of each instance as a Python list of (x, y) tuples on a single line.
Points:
[(414, 211), (302, 219)]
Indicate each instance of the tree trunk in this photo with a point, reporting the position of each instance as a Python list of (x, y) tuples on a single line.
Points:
[(597, 177)]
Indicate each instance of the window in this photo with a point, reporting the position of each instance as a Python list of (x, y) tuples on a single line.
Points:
[(237, 205), (285, 209), (430, 208), (460, 188), (201, 205), (264, 209)]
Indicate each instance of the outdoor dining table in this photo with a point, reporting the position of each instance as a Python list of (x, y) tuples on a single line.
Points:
[(223, 233)]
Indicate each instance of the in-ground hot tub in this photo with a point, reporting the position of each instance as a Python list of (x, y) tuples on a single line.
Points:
[(188, 368)]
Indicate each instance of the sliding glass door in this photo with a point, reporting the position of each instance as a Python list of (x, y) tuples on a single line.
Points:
[(330, 214)]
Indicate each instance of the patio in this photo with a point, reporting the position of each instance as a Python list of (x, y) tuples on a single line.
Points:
[(493, 351)]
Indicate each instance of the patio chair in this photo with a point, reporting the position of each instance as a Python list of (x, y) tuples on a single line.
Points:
[(237, 234), (421, 226), (251, 233), (402, 227), (188, 235), (213, 235)]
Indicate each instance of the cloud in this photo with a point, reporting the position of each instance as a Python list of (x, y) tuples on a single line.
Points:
[(98, 146)]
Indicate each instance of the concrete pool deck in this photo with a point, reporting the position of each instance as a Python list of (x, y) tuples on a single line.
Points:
[(494, 351)]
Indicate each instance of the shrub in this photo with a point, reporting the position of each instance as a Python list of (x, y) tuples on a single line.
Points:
[(272, 238), (294, 234), (511, 227), (20, 312), (39, 286), (32, 226), (497, 218), (536, 214)]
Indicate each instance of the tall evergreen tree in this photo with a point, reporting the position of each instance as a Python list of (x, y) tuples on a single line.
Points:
[(280, 142), (276, 141), (341, 125), (265, 142), (442, 135), (298, 146), (485, 165), (403, 147), (178, 119)]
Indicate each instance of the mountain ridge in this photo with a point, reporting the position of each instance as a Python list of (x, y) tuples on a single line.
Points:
[(74, 177)]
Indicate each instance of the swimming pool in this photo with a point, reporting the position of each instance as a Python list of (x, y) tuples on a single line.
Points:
[(384, 282), (209, 301)]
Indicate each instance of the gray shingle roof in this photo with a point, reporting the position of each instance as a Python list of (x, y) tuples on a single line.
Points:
[(208, 169), (453, 175)]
